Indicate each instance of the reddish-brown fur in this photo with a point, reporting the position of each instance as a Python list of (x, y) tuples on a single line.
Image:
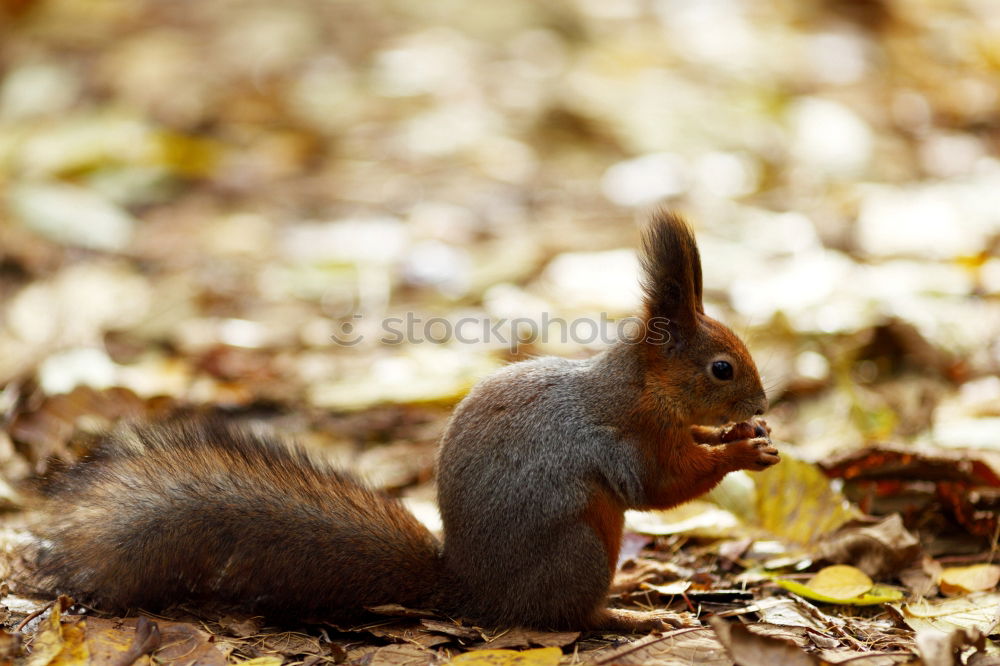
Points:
[(606, 516)]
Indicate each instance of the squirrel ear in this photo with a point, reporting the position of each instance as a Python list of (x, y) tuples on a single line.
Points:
[(671, 271)]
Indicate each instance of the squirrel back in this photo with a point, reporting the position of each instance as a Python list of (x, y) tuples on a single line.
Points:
[(207, 511), (536, 469)]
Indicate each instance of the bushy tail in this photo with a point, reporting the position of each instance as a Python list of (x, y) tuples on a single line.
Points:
[(210, 512)]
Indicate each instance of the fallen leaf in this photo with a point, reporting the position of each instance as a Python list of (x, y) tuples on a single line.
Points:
[(147, 639), (921, 579), (697, 518), (408, 631), (547, 656), (74, 645), (695, 645), (400, 655), (669, 589), (293, 644), (264, 661), (521, 637), (57, 643), (841, 581), (980, 611), (970, 466), (795, 501), (450, 628), (10, 647), (877, 549), (940, 649), (241, 626), (821, 640), (111, 640), (396, 610), (751, 649), (975, 578), (962, 478), (865, 658), (789, 613), (794, 635), (879, 594)]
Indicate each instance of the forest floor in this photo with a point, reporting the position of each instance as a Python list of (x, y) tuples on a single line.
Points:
[(281, 212)]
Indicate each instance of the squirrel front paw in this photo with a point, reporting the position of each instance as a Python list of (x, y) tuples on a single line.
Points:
[(756, 427), (749, 445), (751, 429)]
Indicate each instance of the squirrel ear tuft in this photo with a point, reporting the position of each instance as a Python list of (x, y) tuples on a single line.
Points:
[(671, 270)]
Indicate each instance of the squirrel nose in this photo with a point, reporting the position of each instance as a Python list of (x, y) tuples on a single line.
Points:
[(761, 406)]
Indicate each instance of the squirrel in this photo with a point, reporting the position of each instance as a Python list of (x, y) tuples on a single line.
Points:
[(536, 469)]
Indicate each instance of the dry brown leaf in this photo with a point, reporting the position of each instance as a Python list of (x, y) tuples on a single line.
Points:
[(522, 638), (397, 610), (790, 613), (979, 611), (401, 655), (633, 573), (876, 549), (294, 644), (147, 639), (10, 647), (84, 411), (451, 629), (794, 635), (547, 656), (821, 640), (962, 580), (751, 649), (241, 627), (860, 658), (940, 649), (408, 631), (921, 579), (263, 661), (695, 645), (110, 640)]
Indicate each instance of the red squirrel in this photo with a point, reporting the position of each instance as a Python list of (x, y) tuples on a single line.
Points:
[(536, 469)]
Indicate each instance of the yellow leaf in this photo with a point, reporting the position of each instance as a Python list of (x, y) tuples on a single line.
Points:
[(186, 155), (975, 578), (841, 582), (796, 501), (75, 649), (263, 661), (879, 594), (57, 644), (549, 656), (48, 641)]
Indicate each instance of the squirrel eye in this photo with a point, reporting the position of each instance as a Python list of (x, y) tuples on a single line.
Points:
[(722, 370)]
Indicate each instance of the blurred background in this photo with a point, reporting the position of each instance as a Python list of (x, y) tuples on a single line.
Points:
[(198, 198)]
